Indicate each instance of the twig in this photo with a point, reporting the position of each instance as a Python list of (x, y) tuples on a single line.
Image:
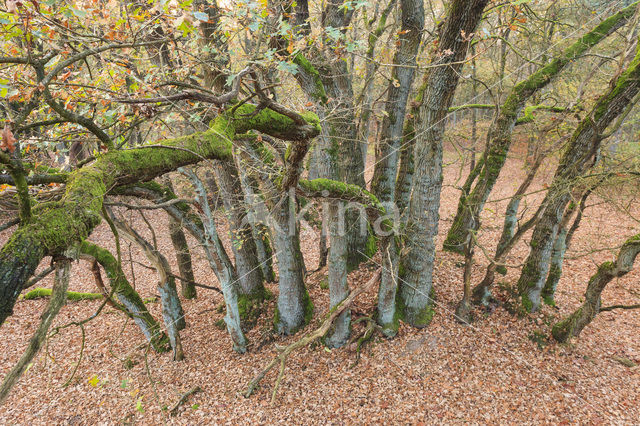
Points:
[(612, 307)]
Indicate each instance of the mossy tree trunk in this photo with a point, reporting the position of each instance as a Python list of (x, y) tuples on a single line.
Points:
[(439, 86), (472, 200), (126, 295), (563, 240), (172, 311), (581, 317), (387, 150), (582, 149)]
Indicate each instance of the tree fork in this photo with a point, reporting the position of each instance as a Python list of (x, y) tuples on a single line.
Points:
[(56, 225)]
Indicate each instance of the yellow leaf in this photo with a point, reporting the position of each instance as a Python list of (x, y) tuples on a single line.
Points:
[(93, 380)]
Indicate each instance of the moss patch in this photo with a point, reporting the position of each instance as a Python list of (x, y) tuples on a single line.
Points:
[(39, 293)]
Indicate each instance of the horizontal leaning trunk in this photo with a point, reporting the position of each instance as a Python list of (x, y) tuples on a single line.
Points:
[(56, 225), (472, 201)]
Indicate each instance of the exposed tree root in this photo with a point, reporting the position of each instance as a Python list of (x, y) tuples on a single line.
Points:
[(365, 337), (281, 358)]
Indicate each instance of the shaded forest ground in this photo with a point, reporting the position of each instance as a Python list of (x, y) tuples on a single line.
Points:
[(501, 368)]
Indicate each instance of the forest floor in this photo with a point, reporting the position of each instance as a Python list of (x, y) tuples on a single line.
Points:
[(500, 368)]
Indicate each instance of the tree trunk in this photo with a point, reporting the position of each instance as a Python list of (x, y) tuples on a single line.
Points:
[(221, 266), (560, 248), (172, 312), (183, 255), (259, 229), (499, 135), (242, 242), (126, 295), (440, 83), (340, 331), (387, 152), (294, 308)]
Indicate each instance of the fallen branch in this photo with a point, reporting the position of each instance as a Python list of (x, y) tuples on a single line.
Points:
[(174, 410), (281, 358)]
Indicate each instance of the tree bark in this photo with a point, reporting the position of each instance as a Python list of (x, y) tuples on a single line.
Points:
[(126, 295), (221, 266), (172, 312), (387, 152), (242, 241), (340, 331), (183, 255)]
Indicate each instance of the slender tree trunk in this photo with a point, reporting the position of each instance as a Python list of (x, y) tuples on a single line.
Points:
[(183, 255), (259, 229), (340, 331), (474, 112), (559, 249), (126, 295), (371, 66), (221, 265), (242, 242), (172, 312), (422, 224), (463, 310), (387, 152)]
